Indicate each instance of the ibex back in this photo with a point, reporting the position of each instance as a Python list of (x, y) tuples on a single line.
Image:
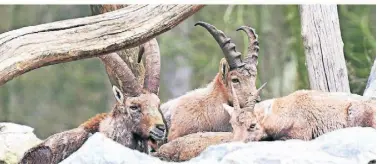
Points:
[(307, 114)]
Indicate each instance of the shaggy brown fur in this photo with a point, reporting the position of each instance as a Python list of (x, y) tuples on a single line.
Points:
[(134, 127), (56, 147), (189, 146), (307, 114), (92, 125), (201, 110)]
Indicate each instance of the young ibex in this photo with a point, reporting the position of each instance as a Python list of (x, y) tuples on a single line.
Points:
[(133, 122), (307, 114), (304, 114), (191, 145), (201, 110)]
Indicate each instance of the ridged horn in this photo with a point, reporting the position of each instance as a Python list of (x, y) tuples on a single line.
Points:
[(251, 101), (152, 66), (253, 47), (236, 103), (120, 74), (228, 47)]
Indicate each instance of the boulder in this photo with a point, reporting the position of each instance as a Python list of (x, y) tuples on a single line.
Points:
[(349, 145), (100, 149), (14, 141)]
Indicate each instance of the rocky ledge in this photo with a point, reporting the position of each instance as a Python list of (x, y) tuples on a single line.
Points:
[(14, 141), (350, 145)]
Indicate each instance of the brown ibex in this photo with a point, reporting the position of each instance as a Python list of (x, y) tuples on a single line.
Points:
[(304, 114), (133, 122), (307, 114), (191, 145), (201, 110)]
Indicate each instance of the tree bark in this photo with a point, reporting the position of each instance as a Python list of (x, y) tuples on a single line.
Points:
[(33, 47), (370, 89), (324, 48), (130, 55)]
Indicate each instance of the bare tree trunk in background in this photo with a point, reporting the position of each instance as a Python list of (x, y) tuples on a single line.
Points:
[(370, 89), (324, 48)]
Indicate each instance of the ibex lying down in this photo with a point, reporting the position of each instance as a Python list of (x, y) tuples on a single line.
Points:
[(191, 145), (304, 114), (307, 114), (134, 120), (201, 110)]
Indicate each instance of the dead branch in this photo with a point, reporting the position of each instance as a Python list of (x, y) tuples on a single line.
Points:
[(29, 48)]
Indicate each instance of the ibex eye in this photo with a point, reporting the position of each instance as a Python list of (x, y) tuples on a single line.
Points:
[(252, 126), (235, 81), (134, 107)]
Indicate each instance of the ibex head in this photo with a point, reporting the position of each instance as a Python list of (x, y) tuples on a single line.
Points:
[(240, 73), (243, 120), (138, 103)]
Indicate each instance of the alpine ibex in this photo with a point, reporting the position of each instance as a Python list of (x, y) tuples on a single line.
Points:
[(304, 114), (307, 114), (133, 122), (201, 110), (191, 145)]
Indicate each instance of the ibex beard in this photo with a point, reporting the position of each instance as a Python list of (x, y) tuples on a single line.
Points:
[(140, 116)]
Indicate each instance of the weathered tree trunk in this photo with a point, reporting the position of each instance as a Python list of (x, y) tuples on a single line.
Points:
[(33, 47), (324, 48), (370, 89)]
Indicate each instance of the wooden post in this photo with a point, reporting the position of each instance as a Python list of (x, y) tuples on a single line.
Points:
[(324, 48)]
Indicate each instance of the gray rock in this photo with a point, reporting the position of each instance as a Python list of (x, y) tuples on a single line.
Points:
[(100, 149), (14, 141), (350, 145)]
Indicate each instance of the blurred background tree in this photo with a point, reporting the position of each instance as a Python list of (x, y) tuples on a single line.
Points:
[(59, 97)]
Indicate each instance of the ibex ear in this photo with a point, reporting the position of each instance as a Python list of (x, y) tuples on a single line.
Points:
[(228, 108), (223, 68), (118, 94)]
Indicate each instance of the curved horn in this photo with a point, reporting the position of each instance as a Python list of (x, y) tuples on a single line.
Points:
[(260, 89), (251, 101), (253, 48), (229, 49), (236, 103), (152, 66), (120, 74)]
